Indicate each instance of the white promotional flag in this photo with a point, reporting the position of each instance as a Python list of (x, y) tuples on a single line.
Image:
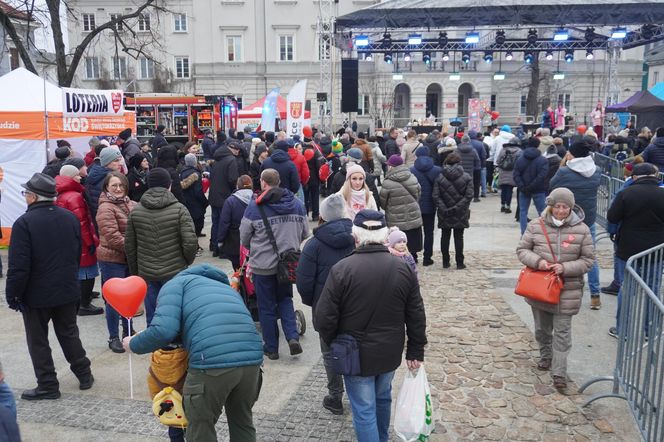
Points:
[(295, 108), (269, 111), (91, 102)]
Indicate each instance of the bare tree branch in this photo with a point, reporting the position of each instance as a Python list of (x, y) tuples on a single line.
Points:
[(8, 25)]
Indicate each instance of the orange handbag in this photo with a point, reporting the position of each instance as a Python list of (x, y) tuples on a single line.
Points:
[(540, 285)]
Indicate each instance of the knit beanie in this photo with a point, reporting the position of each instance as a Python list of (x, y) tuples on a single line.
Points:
[(337, 147), (94, 141), (533, 142), (125, 134), (190, 160), (354, 168), (159, 177), (69, 170), (579, 149), (62, 152), (395, 160), (422, 152), (355, 153), (644, 169), (333, 207), (396, 236), (560, 195), (75, 161), (506, 128), (108, 155)]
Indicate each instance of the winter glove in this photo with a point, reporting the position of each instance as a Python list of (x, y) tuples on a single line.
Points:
[(15, 304)]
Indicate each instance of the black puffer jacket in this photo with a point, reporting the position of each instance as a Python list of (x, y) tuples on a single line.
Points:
[(350, 296), (223, 176), (530, 172), (44, 257), (168, 159), (452, 194)]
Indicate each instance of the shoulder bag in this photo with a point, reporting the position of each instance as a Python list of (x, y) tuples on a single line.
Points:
[(344, 354), (286, 261), (540, 285)]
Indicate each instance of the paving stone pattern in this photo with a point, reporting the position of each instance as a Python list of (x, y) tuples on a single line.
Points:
[(480, 363)]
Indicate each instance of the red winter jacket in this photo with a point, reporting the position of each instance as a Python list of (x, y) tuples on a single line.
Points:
[(70, 197), (301, 164), (89, 158)]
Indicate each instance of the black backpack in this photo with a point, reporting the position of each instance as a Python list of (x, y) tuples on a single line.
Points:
[(507, 163)]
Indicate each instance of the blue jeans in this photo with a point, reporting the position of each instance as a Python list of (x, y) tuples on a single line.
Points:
[(176, 434), (506, 194), (151, 299), (524, 205), (593, 274), (7, 398), (483, 179), (371, 401), (214, 232), (275, 301), (113, 270)]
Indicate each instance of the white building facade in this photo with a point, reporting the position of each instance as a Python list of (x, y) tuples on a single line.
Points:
[(246, 48)]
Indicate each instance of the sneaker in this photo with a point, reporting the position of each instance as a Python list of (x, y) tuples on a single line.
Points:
[(90, 310), (502, 209), (273, 356), (333, 404), (115, 345), (613, 332), (199, 252), (508, 210), (611, 289), (595, 303), (295, 347), (427, 262)]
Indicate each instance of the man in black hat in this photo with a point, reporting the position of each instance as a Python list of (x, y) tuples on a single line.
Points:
[(375, 308), (42, 283), (582, 177), (159, 230), (207, 144), (129, 145), (62, 152)]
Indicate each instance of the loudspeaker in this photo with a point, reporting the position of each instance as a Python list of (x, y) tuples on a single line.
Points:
[(349, 85), (321, 96)]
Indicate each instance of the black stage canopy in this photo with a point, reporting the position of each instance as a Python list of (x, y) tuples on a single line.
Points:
[(441, 14)]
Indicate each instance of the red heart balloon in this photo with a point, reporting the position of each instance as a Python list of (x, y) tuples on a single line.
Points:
[(308, 154), (495, 115), (307, 132), (125, 294)]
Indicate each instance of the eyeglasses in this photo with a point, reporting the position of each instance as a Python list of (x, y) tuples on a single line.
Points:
[(26, 192), (117, 186)]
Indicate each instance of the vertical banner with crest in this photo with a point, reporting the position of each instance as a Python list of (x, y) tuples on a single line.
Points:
[(295, 108), (269, 111)]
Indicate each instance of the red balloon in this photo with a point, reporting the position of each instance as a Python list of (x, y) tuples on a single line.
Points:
[(495, 115), (206, 184), (125, 294), (308, 154), (581, 129), (307, 132)]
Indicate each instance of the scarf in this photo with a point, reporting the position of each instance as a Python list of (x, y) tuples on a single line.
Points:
[(115, 199), (358, 201)]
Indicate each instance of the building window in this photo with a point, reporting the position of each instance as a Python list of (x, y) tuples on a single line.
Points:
[(493, 101), (233, 48), (286, 48), (181, 67), (145, 68), (119, 26), (89, 23), (91, 68), (522, 106), (655, 77), (144, 22), (14, 59), (363, 105), (565, 99), (119, 68), (180, 23)]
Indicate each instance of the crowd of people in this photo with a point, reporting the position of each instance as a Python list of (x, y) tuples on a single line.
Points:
[(131, 208)]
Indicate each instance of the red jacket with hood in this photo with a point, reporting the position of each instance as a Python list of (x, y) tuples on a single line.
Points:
[(70, 197), (300, 164)]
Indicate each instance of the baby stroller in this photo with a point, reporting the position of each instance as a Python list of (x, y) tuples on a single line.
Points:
[(241, 281)]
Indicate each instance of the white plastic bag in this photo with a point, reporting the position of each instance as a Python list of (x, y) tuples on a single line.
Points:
[(413, 420)]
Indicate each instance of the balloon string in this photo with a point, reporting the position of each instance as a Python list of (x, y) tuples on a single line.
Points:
[(131, 374)]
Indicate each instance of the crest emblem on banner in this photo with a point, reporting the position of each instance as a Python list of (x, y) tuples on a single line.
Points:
[(116, 101), (296, 109)]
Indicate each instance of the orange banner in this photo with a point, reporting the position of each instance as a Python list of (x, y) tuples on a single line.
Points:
[(30, 125)]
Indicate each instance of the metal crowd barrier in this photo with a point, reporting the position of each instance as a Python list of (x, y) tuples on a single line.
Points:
[(638, 376)]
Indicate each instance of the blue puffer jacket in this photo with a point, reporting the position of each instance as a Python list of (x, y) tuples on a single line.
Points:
[(426, 174), (215, 326), (654, 153), (530, 171), (93, 185), (582, 177), (331, 242), (281, 162)]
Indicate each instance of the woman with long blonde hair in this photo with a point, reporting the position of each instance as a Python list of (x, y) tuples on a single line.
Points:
[(355, 191)]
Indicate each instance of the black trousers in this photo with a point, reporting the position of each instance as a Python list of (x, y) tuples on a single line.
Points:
[(428, 223), (87, 285), (64, 323), (489, 174), (477, 183), (458, 245), (312, 198)]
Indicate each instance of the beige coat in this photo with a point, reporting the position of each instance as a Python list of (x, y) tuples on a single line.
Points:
[(573, 246)]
